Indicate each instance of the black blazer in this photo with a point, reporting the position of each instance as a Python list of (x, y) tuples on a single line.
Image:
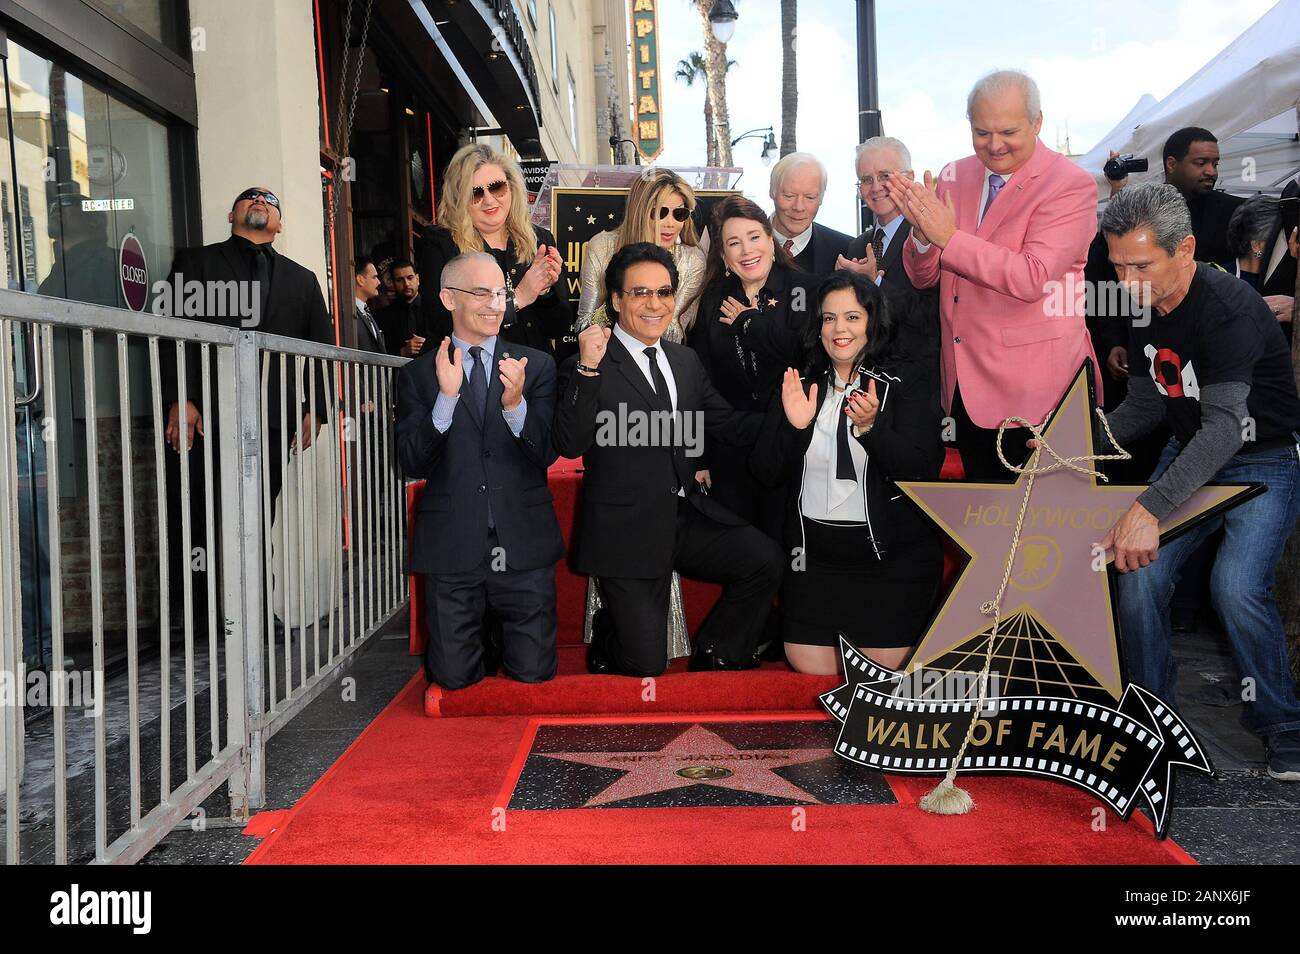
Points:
[(1281, 281), (479, 461), (819, 255), (366, 341), (398, 321), (773, 332), (892, 261), (547, 318), (903, 444), (296, 309), (627, 524), (916, 308), (1210, 215)]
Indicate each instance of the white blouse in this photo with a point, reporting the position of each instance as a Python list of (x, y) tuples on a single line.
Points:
[(824, 497)]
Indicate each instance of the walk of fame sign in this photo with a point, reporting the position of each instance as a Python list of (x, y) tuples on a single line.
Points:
[(1058, 705)]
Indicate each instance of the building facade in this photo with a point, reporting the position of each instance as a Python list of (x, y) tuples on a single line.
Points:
[(139, 121)]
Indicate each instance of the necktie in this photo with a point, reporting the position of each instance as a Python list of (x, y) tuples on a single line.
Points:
[(844, 469), (373, 325), (788, 245), (477, 378), (878, 244), (262, 273), (996, 182), (660, 384)]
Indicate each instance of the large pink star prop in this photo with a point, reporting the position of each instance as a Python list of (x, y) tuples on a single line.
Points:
[(1057, 574), (647, 773)]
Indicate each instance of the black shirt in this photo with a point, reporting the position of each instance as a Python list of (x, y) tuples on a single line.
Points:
[(1221, 332)]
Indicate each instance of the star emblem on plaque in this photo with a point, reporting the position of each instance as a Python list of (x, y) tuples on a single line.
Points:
[(1055, 700)]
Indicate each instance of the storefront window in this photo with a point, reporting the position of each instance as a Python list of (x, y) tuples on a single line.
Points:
[(89, 170)]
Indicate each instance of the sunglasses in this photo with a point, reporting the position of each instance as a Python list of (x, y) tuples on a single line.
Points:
[(268, 197), (681, 213), (662, 293), (498, 189)]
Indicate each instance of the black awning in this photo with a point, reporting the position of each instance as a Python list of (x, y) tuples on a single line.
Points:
[(490, 45)]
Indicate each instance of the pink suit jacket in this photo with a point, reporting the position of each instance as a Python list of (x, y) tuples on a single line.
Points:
[(1011, 291)]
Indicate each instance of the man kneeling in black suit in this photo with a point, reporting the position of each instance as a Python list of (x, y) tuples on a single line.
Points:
[(474, 421), (643, 515)]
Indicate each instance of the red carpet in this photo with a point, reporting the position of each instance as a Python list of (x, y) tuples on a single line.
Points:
[(417, 790)]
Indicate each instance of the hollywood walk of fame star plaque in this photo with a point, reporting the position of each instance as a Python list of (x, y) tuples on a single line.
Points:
[(1057, 703), (690, 764)]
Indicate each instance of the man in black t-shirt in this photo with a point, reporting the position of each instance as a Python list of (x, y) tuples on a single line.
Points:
[(1212, 363)]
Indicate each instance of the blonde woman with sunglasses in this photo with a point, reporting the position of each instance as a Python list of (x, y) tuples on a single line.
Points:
[(658, 210), (484, 208)]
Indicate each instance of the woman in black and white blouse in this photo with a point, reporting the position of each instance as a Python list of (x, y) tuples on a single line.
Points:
[(863, 415)]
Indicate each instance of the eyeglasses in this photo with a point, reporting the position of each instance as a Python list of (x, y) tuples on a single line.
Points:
[(681, 213), (498, 189), (884, 177), (268, 197), (662, 293), (484, 295)]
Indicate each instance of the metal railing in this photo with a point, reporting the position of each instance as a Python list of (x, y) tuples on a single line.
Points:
[(108, 785)]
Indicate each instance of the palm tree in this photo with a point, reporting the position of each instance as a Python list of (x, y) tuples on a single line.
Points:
[(688, 71), (715, 73), (789, 76)]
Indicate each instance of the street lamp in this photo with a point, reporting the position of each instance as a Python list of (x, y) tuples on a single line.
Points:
[(615, 142), (769, 141), (722, 20)]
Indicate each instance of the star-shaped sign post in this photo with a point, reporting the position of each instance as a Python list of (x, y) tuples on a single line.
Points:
[(1058, 574)]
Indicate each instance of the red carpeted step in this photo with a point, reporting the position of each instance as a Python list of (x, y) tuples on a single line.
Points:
[(773, 688)]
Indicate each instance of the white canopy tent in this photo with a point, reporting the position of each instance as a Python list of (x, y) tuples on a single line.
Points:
[(1248, 96)]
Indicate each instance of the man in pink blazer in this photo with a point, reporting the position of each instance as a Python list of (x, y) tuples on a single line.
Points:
[(1005, 234)]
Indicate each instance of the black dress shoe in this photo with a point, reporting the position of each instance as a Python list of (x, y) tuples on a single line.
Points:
[(706, 660)]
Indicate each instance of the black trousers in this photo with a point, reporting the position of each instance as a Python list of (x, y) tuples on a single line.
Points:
[(523, 600), (180, 562), (744, 560), (978, 446)]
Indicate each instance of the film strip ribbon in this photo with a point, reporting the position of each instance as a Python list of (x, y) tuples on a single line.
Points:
[(1117, 754)]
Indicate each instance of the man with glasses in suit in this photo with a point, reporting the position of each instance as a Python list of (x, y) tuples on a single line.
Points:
[(474, 423)]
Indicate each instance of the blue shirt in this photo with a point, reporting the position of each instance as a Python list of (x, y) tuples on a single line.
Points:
[(445, 406)]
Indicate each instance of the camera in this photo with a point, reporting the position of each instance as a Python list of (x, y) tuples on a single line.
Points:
[(1119, 167)]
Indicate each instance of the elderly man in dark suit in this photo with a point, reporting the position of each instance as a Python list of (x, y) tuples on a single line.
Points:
[(643, 516), (474, 422), (797, 187), (878, 252)]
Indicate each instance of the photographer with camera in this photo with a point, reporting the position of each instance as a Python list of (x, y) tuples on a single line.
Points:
[(1191, 165)]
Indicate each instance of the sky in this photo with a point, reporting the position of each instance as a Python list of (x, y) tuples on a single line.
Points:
[(1092, 60)]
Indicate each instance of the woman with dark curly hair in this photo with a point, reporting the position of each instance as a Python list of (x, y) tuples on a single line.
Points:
[(863, 415)]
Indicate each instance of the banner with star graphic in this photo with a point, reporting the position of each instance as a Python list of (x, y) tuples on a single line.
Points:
[(1058, 705), (578, 214)]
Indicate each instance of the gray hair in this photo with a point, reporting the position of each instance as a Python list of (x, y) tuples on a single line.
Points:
[(452, 271), (788, 165), (1000, 80), (1157, 206), (1255, 220), (885, 142)]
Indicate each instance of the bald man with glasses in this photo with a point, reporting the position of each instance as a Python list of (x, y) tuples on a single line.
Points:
[(474, 423)]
